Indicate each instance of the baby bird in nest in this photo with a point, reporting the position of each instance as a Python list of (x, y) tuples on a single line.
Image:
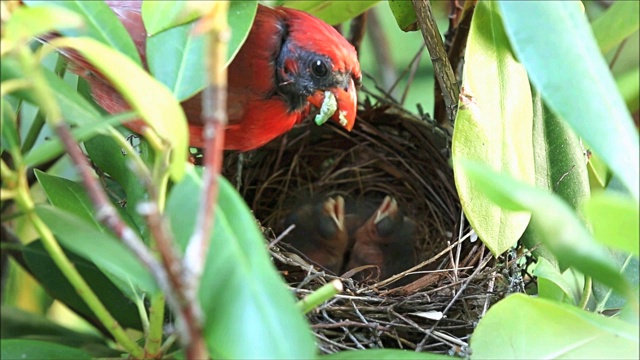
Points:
[(320, 232), (385, 240)]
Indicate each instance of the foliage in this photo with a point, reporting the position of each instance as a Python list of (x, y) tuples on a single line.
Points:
[(537, 98)]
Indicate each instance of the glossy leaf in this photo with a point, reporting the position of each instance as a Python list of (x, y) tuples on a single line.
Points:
[(615, 221), (554, 41), (53, 147), (51, 278), (176, 59), (249, 311), (26, 23), (404, 13), (102, 24), (331, 12), (629, 87), (102, 248), (384, 354), (522, 327), (616, 24), (109, 157), (176, 56), (551, 284), (493, 126), (159, 16), (560, 165), (69, 196), (240, 17), (34, 349), (559, 227), (8, 131), (18, 323), (75, 109), (149, 98)]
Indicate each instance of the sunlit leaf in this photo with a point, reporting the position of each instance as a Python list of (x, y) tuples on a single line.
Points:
[(101, 248), (615, 221), (331, 12), (45, 270), (34, 349), (554, 42), (384, 354), (560, 228), (494, 126), (250, 312), (26, 23), (404, 13), (521, 327), (616, 24), (150, 99)]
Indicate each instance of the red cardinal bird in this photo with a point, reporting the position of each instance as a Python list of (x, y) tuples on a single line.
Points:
[(384, 240), (320, 232), (288, 61)]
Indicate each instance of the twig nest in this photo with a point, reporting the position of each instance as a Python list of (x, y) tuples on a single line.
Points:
[(389, 153)]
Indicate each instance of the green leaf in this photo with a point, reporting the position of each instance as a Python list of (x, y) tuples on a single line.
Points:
[(616, 24), (107, 155), (559, 227), (494, 126), (68, 196), (560, 165), (102, 24), (150, 99), (176, 59), (53, 147), (34, 349), (331, 12), (18, 323), (75, 109), (159, 16), (404, 13), (384, 354), (629, 87), (552, 285), (9, 131), (249, 311), (521, 327), (102, 248), (607, 299), (554, 41), (51, 278), (240, 17), (614, 219), (26, 23)]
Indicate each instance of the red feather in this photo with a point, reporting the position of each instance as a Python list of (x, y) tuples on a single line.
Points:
[(257, 112)]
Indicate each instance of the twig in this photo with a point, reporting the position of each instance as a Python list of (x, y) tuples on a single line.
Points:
[(356, 33), (442, 67), (382, 52), (457, 295)]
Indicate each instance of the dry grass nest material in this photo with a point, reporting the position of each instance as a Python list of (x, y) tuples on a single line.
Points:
[(389, 152)]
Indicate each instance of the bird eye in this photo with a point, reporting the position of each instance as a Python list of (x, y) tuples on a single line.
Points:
[(319, 68)]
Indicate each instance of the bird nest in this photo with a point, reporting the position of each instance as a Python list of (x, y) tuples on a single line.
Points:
[(389, 152)]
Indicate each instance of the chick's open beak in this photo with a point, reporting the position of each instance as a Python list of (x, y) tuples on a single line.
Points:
[(347, 102)]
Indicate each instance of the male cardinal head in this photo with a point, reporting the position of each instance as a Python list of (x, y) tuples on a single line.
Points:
[(288, 62), (320, 232)]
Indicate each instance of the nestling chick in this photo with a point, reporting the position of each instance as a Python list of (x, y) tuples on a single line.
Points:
[(384, 240), (320, 232)]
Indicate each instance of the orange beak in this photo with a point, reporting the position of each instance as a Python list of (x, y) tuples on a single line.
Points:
[(347, 101)]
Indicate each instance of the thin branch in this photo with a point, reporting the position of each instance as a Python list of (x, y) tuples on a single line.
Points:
[(356, 33), (386, 69), (442, 67)]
